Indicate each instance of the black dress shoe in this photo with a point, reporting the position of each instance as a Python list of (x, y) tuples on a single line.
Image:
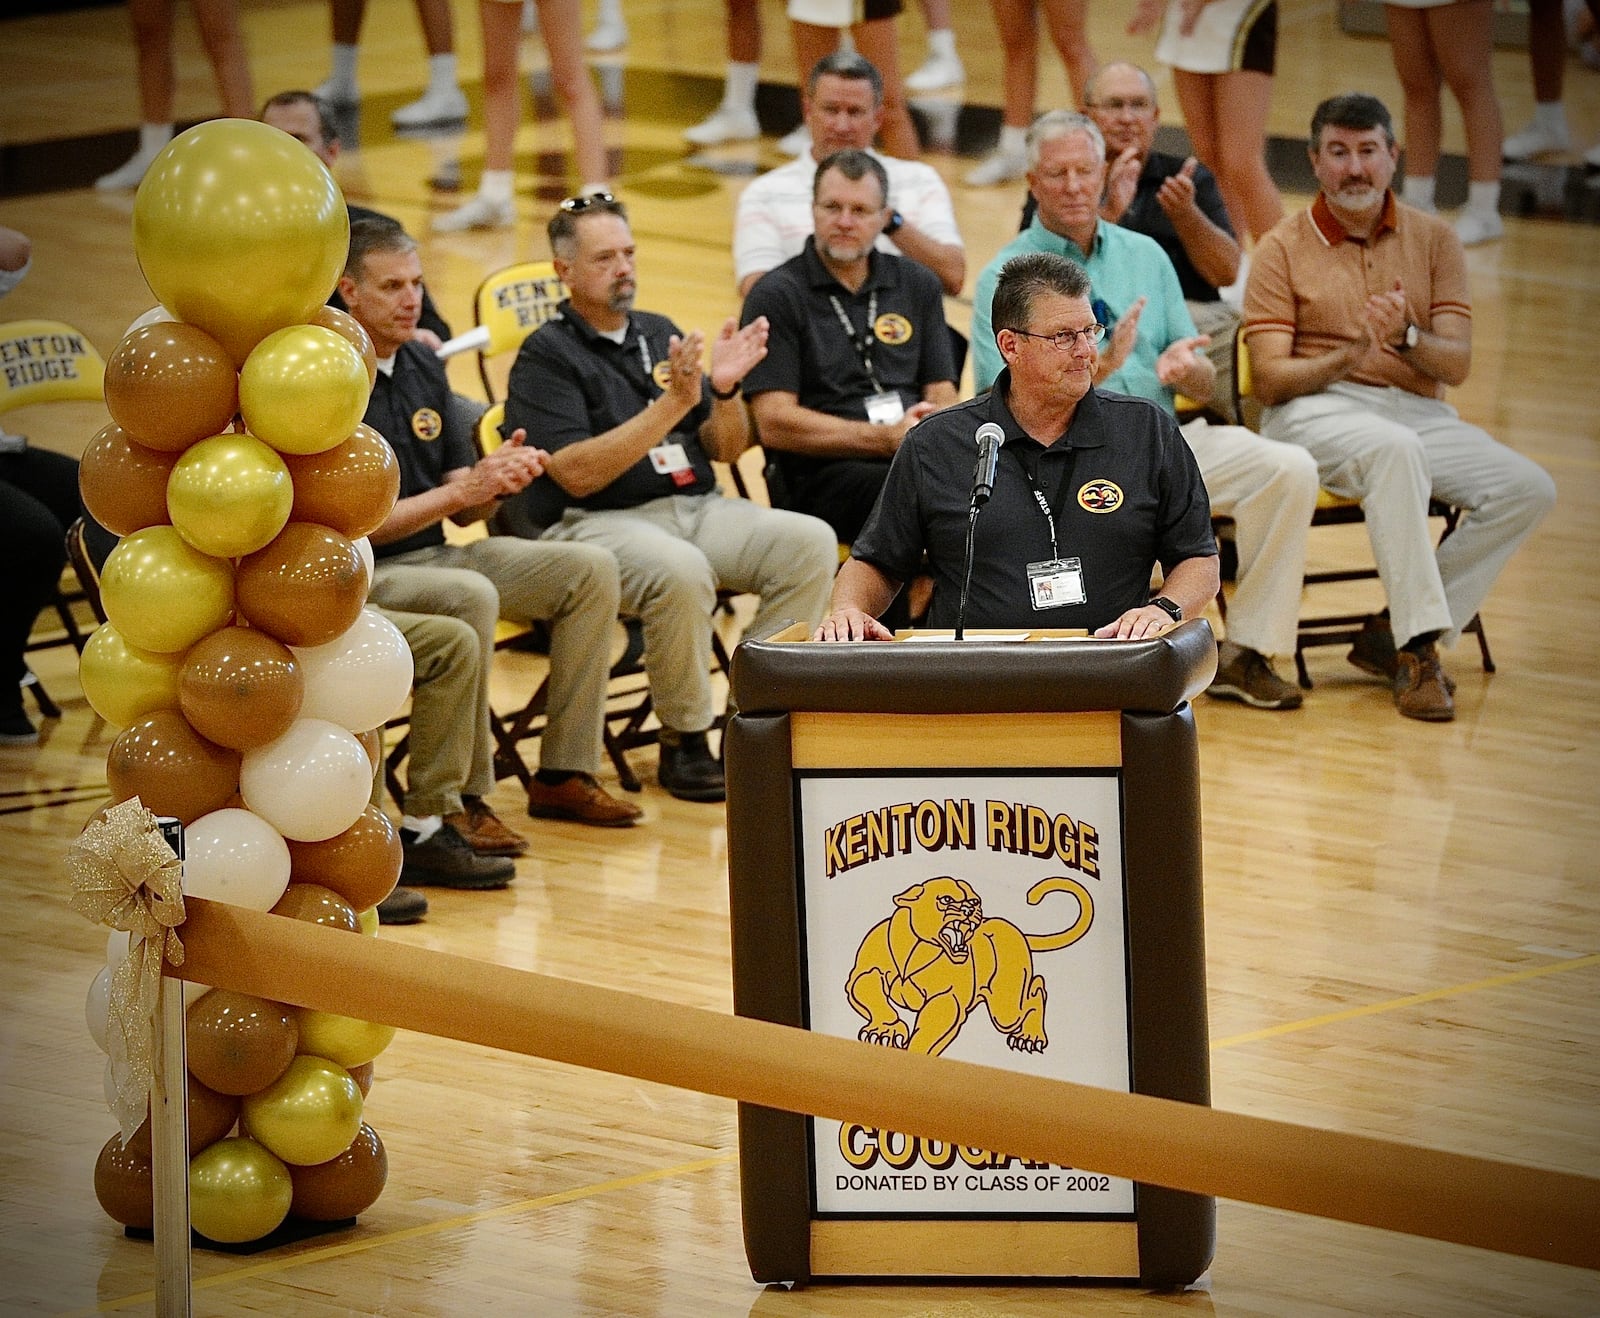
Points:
[(688, 769), (446, 861), (402, 906)]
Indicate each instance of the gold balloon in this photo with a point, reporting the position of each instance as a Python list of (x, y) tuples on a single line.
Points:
[(229, 495), (162, 593), (303, 389), (241, 230), (309, 1114), (123, 483), (351, 487), (305, 588), (169, 384), (123, 683), (238, 1191), (342, 322), (369, 921), (240, 688), (171, 768), (343, 1186), (341, 1039)]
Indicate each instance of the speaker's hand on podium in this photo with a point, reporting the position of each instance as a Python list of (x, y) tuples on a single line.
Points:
[(1141, 624), (851, 625)]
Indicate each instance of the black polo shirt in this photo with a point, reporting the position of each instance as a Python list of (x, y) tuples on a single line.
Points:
[(410, 407), (570, 383), (1123, 486), (1144, 215), (897, 315)]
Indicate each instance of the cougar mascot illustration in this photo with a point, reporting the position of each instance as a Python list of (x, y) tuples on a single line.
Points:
[(938, 956)]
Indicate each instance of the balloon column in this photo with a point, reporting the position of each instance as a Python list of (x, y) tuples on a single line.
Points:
[(239, 661)]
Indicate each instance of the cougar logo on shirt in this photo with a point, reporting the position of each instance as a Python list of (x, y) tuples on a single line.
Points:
[(425, 423), (892, 328), (1100, 497), (661, 373)]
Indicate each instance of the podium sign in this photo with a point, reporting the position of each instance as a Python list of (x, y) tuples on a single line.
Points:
[(918, 870)]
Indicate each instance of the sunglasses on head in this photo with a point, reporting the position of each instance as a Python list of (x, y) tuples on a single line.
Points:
[(577, 205)]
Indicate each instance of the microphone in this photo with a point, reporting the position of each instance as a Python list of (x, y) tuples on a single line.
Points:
[(990, 437)]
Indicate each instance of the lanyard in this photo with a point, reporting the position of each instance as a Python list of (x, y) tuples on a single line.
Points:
[(1039, 497), (863, 345)]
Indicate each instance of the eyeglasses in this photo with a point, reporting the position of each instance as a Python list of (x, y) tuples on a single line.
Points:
[(1116, 104), (1065, 339), (577, 205)]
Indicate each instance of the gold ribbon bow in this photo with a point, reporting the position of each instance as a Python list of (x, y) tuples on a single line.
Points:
[(125, 875)]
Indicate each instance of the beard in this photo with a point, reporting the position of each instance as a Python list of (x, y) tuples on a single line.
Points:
[(621, 295)]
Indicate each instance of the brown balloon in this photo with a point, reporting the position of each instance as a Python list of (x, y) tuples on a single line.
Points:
[(124, 1184), (305, 588), (351, 487), (362, 1075), (239, 1044), (344, 1186), (342, 322), (240, 688), (372, 742), (170, 385), (317, 905), (211, 1116), (171, 768), (361, 864), (123, 483)]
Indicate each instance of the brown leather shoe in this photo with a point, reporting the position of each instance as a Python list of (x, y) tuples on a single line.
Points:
[(581, 799), (484, 833), (1421, 690), (1373, 650)]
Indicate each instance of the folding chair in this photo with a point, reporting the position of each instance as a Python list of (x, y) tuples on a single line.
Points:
[(509, 305)]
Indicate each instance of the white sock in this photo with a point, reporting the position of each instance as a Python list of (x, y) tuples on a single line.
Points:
[(1484, 198), (442, 72), (1013, 141), (424, 827), (1418, 191), (344, 61), (1551, 116), (739, 86), (152, 137), (496, 184), (610, 13), (942, 41)]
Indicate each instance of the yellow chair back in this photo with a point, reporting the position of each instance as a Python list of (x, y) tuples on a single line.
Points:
[(47, 361), (511, 303)]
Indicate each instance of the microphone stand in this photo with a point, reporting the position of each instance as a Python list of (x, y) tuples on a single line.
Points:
[(966, 574)]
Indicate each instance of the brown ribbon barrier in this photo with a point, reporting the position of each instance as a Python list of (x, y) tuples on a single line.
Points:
[(1508, 1207)]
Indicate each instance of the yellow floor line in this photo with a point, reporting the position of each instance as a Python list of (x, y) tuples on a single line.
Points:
[(721, 1159)]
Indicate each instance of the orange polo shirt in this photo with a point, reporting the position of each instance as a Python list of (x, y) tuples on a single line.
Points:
[(1311, 279)]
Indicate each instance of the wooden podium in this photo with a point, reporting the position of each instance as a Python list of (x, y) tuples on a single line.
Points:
[(989, 850)]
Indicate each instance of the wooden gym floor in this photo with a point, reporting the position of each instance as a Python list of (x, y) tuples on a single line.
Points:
[(1402, 929)]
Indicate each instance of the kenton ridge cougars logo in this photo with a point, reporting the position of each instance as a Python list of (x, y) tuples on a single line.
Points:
[(938, 956)]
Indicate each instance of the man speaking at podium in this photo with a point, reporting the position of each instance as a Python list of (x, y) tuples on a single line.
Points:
[(1076, 495)]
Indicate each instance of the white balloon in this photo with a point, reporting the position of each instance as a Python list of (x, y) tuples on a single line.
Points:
[(108, 1086), (98, 1006), (237, 857), (117, 948), (364, 548), (192, 993), (312, 782), (359, 680)]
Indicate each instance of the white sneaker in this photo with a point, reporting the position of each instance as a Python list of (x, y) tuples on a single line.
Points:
[(479, 213), (437, 105), (997, 167), (796, 142), (1533, 141), (608, 35), (724, 124), (1474, 227), (127, 175), (937, 72), (339, 92)]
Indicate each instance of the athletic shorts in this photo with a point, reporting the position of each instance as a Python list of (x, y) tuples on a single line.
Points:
[(842, 13), (1231, 36)]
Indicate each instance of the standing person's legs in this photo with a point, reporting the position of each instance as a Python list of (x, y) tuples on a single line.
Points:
[(1416, 65), (1242, 100), (1502, 494), (943, 67), (878, 41), (1069, 31), (493, 207), (1363, 454), (1017, 25), (561, 21), (1547, 57), (442, 101), (152, 22), (734, 119), (223, 39), (1462, 36)]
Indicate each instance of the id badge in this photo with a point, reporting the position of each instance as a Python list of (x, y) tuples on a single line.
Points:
[(669, 459), (1056, 583), (884, 409)]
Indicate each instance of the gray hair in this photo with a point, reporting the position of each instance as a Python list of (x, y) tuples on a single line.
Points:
[(1063, 123)]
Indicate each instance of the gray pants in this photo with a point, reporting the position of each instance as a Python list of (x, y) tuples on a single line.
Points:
[(1221, 321), (572, 587), (673, 553)]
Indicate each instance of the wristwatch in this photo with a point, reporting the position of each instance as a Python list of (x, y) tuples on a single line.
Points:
[(896, 220), (732, 393), (1172, 610), (1409, 339)]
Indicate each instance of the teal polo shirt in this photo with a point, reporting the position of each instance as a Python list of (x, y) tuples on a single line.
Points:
[(1123, 266)]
